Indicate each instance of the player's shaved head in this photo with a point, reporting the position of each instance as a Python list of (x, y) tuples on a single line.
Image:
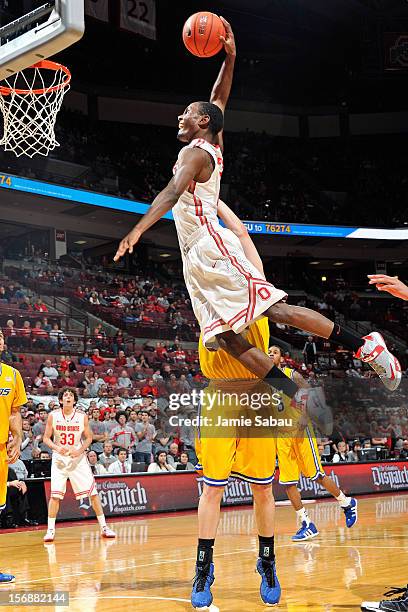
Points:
[(216, 123)]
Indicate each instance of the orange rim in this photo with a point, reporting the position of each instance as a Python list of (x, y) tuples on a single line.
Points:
[(45, 65)]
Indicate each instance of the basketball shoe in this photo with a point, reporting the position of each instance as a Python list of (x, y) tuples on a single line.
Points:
[(50, 535), (106, 532), (374, 352), (270, 589), (201, 596), (350, 513), (306, 532), (398, 604), (6, 578)]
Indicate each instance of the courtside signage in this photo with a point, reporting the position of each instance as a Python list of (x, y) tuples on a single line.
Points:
[(81, 196)]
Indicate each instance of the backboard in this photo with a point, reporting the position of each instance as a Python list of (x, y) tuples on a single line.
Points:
[(32, 30)]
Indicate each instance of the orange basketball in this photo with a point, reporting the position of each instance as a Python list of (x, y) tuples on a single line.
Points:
[(201, 34)]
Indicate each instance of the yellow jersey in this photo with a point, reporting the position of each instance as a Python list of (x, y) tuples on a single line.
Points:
[(219, 364), (12, 394)]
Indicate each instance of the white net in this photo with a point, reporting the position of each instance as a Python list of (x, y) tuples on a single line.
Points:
[(30, 102)]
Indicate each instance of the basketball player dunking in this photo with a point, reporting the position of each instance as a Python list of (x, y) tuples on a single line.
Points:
[(226, 290), (12, 397), (68, 434)]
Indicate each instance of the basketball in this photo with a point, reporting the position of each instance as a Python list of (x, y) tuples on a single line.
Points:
[(201, 34)]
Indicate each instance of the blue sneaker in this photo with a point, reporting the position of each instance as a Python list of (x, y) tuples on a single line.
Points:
[(270, 588), (201, 596), (351, 513), (306, 532), (6, 578)]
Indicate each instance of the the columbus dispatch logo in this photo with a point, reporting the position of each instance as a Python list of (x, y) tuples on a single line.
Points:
[(390, 476), (118, 497)]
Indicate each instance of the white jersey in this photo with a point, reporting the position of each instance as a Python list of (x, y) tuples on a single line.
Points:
[(68, 430), (197, 206), (227, 291)]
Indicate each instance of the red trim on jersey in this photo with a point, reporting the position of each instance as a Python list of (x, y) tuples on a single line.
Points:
[(237, 317), (85, 493), (214, 325), (65, 419), (251, 280)]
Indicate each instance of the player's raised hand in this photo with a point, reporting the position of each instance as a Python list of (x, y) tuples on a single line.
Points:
[(127, 243), (390, 284), (229, 40)]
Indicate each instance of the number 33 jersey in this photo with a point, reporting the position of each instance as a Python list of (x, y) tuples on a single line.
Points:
[(67, 429)]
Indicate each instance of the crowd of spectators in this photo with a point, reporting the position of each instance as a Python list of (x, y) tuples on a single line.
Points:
[(354, 181)]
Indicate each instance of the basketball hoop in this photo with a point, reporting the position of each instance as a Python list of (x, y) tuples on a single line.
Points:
[(30, 101)]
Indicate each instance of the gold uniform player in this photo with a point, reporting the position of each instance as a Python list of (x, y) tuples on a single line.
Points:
[(299, 455), (248, 458), (12, 397)]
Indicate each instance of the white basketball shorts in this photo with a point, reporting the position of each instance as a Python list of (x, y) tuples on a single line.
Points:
[(79, 473), (227, 292)]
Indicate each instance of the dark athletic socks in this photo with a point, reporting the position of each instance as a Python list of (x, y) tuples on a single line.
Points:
[(205, 552), (266, 548), (277, 379), (341, 336)]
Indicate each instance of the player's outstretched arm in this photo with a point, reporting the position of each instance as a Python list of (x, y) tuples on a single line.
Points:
[(233, 223), (191, 162), (391, 284), (222, 86)]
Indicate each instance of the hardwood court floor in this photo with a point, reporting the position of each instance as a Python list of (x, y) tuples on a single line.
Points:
[(150, 565)]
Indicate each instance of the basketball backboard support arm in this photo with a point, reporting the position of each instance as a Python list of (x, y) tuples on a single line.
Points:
[(65, 26)]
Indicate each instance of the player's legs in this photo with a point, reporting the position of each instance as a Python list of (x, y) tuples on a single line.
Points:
[(348, 504), (4, 578), (264, 509), (256, 361), (208, 519), (307, 529), (106, 532), (209, 512), (53, 508), (370, 349)]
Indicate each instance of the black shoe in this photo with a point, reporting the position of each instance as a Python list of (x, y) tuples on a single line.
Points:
[(398, 604), (29, 523)]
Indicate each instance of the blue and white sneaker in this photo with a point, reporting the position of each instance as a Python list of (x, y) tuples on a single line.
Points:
[(201, 596), (6, 578), (270, 588), (306, 532), (351, 513), (398, 604)]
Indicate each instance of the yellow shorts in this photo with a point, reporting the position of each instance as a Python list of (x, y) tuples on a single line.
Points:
[(250, 459), (3, 476), (298, 455)]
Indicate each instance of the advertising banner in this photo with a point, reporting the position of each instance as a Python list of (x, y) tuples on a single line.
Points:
[(145, 493)]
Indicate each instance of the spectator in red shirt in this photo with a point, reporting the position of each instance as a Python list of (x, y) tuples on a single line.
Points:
[(150, 389), (79, 292), (66, 380), (120, 360), (96, 358), (161, 352), (39, 306), (110, 378), (39, 335)]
